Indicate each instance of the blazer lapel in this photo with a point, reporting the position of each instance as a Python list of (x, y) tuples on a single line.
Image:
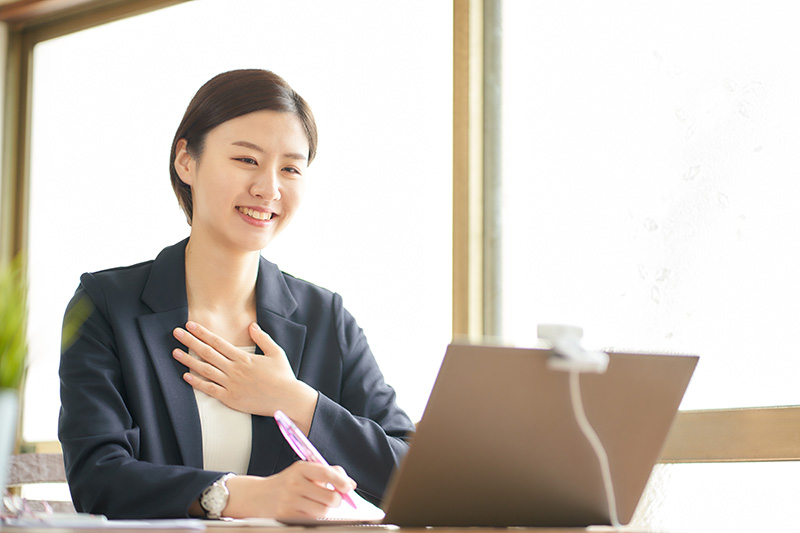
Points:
[(165, 294), (274, 303)]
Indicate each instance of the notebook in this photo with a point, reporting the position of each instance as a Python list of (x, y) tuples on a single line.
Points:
[(498, 444)]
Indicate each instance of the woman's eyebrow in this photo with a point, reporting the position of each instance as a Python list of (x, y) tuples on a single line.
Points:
[(291, 155), (248, 144)]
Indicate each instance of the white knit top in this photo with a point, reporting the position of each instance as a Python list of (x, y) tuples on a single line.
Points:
[(227, 433)]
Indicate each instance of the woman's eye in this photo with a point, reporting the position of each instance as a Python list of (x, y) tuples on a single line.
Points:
[(291, 170), (248, 160)]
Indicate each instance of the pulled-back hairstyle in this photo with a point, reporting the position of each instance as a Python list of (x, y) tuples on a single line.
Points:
[(227, 96)]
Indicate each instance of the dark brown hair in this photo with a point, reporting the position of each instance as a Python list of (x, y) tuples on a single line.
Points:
[(227, 96)]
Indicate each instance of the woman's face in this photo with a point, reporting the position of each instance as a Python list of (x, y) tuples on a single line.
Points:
[(249, 180)]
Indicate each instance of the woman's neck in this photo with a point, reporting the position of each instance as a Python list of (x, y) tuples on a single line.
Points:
[(220, 286)]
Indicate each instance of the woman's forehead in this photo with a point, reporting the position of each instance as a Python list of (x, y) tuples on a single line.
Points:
[(263, 129)]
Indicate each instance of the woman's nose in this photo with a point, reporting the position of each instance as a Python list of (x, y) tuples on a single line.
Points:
[(266, 186)]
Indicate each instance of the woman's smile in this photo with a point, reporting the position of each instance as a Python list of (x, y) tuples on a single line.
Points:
[(259, 215)]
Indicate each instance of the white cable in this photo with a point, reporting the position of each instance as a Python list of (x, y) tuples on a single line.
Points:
[(596, 443)]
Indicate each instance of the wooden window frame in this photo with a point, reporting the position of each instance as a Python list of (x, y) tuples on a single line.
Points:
[(29, 22), (758, 434)]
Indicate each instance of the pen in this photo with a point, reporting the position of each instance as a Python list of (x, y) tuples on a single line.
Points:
[(302, 446)]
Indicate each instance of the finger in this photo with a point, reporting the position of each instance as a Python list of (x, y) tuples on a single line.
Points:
[(264, 341), (347, 479), (208, 387), (321, 493), (200, 367), (328, 475), (305, 507), (325, 496), (306, 495), (211, 339), (203, 350)]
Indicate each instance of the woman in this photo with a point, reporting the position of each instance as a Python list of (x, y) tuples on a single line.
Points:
[(169, 388)]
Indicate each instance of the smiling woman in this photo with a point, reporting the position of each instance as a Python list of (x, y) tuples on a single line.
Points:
[(100, 140), (246, 340)]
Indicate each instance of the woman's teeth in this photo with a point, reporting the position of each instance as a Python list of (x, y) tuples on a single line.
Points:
[(258, 215)]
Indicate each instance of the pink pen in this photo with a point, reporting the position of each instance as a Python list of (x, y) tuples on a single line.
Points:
[(302, 446)]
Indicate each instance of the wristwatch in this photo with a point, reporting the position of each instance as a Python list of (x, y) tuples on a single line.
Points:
[(215, 497)]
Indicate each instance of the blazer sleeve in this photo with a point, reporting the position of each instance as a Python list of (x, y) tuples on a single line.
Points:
[(100, 436), (365, 431)]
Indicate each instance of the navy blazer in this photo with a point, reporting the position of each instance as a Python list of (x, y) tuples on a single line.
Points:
[(129, 424)]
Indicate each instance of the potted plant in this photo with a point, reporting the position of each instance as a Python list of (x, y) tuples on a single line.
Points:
[(13, 352)]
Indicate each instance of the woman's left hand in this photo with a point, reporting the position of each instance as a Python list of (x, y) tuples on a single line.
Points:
[(255, 384)]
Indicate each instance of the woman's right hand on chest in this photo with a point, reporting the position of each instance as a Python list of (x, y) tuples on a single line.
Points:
[(255, 384)]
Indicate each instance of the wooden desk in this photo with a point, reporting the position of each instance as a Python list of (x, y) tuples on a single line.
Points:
[(326, 529)]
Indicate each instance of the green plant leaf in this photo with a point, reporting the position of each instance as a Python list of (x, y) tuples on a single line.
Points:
[(13, 321)]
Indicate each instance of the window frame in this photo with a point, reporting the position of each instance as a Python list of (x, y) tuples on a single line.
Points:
[(29, 24), (756, 434)]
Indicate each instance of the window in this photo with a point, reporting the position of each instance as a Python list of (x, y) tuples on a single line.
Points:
[(106, 103), (650, 197)]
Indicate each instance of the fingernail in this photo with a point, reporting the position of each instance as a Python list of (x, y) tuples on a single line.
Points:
[(191, 326), (254, 325), (178, 332)]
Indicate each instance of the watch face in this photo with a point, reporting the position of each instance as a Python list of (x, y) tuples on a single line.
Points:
[(214, 499)]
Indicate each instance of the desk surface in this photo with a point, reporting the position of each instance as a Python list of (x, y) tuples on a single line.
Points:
[(325, 529)]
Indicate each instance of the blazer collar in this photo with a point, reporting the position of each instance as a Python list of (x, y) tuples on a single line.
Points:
[(165, 289), (272, 292)]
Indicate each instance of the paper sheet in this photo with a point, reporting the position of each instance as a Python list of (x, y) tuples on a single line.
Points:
[(363, 511)]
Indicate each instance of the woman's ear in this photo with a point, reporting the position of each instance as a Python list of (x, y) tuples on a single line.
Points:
[(184, 162)]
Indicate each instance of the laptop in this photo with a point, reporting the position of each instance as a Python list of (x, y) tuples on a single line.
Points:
[(498, 444)]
